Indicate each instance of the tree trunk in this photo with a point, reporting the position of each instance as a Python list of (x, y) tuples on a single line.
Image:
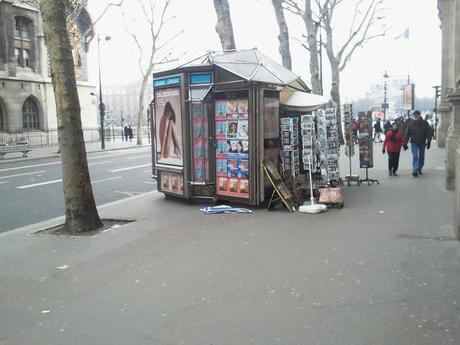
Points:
[(335, 95), (283, 37), (312, 42), (80, 208), (141, 108), (224, 25)]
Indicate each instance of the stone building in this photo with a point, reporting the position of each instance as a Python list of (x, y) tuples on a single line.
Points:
[(449, 109), (123, 102), (26, 91)]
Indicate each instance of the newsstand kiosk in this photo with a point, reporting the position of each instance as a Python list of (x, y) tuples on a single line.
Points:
[(214, 121)]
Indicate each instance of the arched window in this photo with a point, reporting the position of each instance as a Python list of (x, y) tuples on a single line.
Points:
[(30, 115)]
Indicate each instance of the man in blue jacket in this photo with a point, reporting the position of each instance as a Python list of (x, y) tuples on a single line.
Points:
[(419, 132)]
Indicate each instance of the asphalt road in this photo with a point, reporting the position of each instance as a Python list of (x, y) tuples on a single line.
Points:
[(31, 190)]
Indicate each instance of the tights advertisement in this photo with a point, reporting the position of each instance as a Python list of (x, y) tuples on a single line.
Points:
[(168, 119), (232, 154)]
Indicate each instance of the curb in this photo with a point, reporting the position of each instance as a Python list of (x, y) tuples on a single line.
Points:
[(54, 155), (31, 229)]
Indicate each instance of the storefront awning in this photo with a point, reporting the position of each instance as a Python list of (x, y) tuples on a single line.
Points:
[(301, 101)]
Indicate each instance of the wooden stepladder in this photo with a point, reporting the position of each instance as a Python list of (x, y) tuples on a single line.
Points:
[(281, 193)]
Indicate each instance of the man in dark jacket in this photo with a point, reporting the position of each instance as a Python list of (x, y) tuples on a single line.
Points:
[(420, 134)]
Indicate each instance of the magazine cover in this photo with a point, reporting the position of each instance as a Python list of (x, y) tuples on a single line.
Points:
[(233, 185), (199, 170), (243, 129), (198, 150), (243, 168), (244, 187), (197, 128), (232, 106), (221, 167), (232, 129), (242, 106), (222, 148), (232, 168), (221, 129), (222, 185), (221, 109)]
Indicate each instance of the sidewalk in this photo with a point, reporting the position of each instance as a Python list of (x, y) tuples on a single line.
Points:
[(383, 270), (52, 151)]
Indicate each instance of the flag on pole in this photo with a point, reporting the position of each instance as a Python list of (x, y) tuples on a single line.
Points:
[(404, 35)]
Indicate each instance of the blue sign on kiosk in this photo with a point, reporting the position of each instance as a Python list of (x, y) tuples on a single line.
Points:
[(200, 78), (166, 81)]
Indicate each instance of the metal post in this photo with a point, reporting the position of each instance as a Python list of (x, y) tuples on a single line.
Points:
[(101, 105), (149, 111), (436, 95), (321, 59), (385, 104)]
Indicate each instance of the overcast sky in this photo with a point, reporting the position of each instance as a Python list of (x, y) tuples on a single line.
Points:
[(255, 26)]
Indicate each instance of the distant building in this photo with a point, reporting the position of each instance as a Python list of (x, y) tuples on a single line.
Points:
[(26, 90), (123, 102)]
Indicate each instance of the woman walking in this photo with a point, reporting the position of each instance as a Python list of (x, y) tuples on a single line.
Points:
[(392, 144)]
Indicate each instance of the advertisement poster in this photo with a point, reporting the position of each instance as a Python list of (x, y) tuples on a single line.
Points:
[(172, 183), (232, 151), (408, 97), (168, 119), (366, 154), (200, 158)]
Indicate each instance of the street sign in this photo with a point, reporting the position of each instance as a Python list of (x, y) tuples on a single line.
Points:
[(108, 119)]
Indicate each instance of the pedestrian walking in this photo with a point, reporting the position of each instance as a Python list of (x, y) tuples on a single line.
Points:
[(418, 131), (386, 127), (377, 131), (392, 145), (130, 133), (126, 132)]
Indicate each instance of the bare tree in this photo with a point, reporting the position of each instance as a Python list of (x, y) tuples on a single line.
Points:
[(303, 9), (224, 25), (283, 36), (80, 207), (365, 24), (153, 54)]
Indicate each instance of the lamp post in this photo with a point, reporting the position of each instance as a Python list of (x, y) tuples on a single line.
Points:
[(101, 104), (385, 104)]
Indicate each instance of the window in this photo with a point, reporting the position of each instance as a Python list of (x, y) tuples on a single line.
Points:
[(30, 115), (17, 54), (22, 43), (26, 57), (1, 118), (22, 27)]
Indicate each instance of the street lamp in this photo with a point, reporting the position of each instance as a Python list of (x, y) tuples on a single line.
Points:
[(101, 104), (385, 104)]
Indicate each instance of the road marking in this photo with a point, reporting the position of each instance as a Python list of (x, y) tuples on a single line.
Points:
[(39, 184), (30, 166), (29, 173), (106, 179), (4, 182), (98, 163), (136, 157), (150, 182), (103, 156), (130, 168)]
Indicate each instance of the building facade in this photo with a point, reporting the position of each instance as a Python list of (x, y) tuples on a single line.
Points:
[(26, 91), (449, 109), (123, 103)]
